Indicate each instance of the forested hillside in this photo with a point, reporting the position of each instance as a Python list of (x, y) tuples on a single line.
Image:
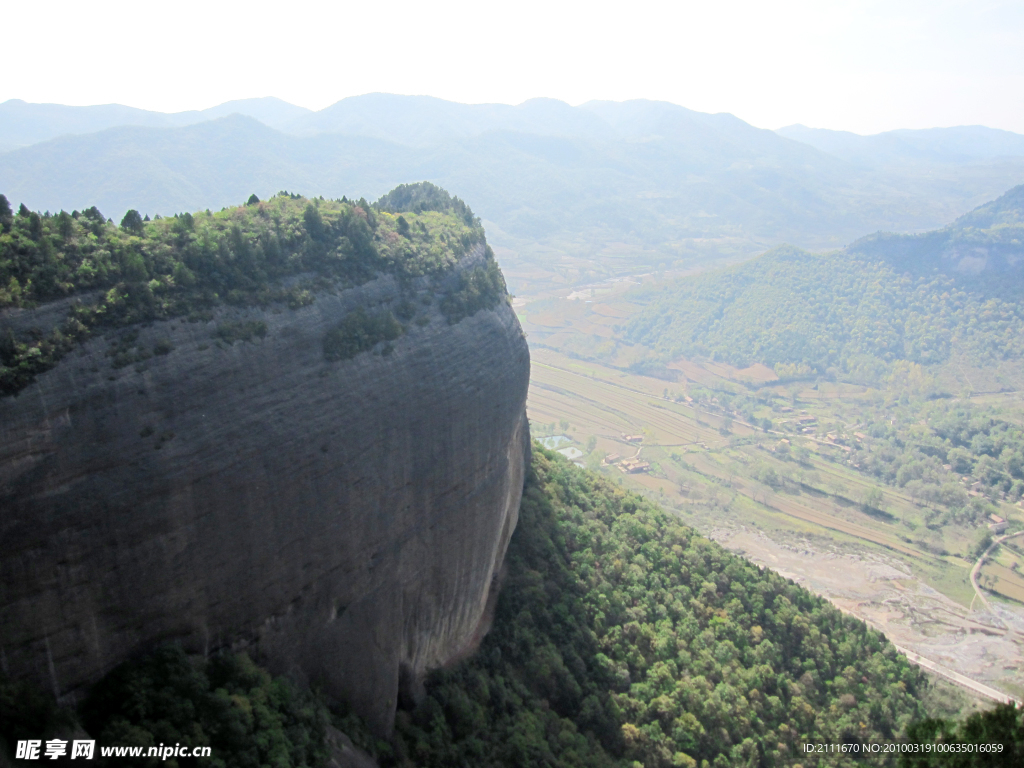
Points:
[(852, 313), (623, 636), (831, 314), (282, 250), (984, 249)]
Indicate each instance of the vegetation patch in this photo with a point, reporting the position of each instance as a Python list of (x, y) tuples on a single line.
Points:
[(185, 265), (950, 454), (424, 196), (360, 331), (125, 350), (992, 738), (482, 287), (228, 703), (832, 314), (241, 330), (28, 713), (624, 638), (163, 347)]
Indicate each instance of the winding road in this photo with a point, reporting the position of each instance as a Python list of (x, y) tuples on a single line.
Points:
[(981, 561)]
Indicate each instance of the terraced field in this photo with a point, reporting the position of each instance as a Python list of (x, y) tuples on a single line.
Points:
[(716, 471), (687, 446)]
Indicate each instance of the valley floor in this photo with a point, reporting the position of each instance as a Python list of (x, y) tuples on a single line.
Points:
[(709, 467)]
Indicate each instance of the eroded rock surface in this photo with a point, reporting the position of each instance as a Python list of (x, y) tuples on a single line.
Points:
[(345, 519)]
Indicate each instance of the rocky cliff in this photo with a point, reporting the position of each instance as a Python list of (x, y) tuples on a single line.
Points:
[(343, 519)]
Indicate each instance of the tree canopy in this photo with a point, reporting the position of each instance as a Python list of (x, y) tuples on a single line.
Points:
[(188, 263), (622, 637), (832, 313)]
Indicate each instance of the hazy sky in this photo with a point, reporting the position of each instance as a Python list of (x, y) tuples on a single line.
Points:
[(849, 64)]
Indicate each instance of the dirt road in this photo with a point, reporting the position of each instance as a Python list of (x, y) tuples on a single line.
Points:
[(959, 679), (981, 561)]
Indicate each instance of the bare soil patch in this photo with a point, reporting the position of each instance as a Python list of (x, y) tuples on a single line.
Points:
[(984, 645)]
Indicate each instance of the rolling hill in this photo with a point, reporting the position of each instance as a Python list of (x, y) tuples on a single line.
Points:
[(885, 298)]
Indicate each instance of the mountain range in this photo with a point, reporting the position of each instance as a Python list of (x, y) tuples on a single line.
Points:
[(425, 120), (962, 144), (23, 123), (566, 193)]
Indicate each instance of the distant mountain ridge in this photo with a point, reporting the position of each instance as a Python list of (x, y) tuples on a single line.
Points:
[(961, 144), (425, 120), (23, 124), (568, 193)]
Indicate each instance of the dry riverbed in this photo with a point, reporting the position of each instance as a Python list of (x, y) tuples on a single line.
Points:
[(984, 645)]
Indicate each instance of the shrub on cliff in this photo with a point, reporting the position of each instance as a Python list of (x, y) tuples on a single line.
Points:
[(242, 330), (482, 287), (359, 332)]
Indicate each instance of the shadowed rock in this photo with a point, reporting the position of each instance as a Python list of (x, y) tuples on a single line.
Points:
[(343, 519)]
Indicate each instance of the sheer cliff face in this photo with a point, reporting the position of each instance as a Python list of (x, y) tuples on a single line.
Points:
[(345, 518)]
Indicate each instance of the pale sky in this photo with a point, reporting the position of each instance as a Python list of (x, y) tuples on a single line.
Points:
[(855, 65)]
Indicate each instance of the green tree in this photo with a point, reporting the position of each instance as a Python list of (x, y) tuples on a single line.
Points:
[(132, 222), (872, 500), (6, 215), (996, 735), (65, 225), (981, 543), (228, 703), (314, 222)]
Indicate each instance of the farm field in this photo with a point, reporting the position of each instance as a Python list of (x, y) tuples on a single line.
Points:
[(796, 511), (694, 465), (1002, 571)]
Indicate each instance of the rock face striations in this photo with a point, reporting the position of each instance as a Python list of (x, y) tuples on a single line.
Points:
[(346, 519)]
